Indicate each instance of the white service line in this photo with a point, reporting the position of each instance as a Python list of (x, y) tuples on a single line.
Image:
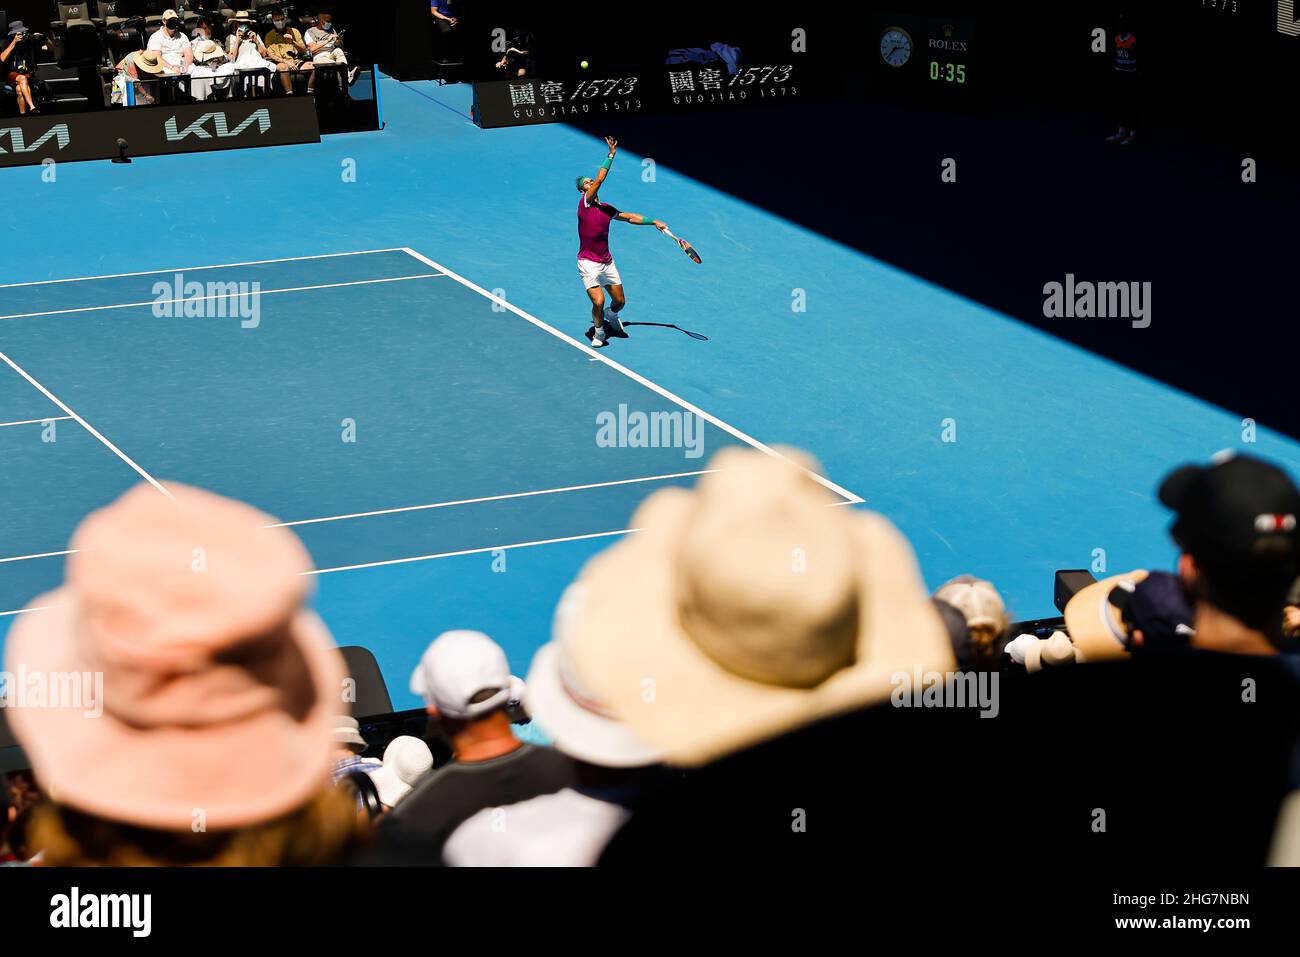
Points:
[(48, 418), (156, 272), (489, 498), (84, 424), (226, 295), (467, 551), (850, 497)]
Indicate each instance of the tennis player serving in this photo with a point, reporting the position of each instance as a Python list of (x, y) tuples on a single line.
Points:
[(595, 263)]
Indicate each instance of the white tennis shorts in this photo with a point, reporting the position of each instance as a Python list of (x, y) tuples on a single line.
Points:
[(598, 274)]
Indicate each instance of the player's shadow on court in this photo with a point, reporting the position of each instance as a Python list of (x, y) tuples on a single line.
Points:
[(662, 325)]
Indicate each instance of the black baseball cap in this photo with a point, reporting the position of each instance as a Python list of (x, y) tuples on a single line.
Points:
[(1237, 507)]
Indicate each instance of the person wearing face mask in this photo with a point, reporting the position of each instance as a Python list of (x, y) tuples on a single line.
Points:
[(245, 48), (326, 46), (172, 45), (284, 45)]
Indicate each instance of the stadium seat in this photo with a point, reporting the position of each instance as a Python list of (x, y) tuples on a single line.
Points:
[(371, 691)]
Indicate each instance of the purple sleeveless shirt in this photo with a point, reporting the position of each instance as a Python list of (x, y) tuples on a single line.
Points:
[(593, 230)]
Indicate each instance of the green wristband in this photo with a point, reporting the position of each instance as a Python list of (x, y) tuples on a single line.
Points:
[(608, 162)]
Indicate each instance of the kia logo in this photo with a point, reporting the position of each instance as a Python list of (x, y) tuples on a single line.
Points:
[(18, 139), (220, 126)]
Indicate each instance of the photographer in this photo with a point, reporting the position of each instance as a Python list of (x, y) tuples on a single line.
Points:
[(19, 64), (518, 60), (172, 45), (245, 47), (284, 45)]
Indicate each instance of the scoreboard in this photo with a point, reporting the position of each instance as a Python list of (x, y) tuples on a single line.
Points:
[(924, 57)]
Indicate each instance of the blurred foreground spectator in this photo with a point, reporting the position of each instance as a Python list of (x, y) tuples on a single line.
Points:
[(210, 743), (1181, 747), (406, 762), (614, 771), (466, 684), (755, 634), (985, 616)]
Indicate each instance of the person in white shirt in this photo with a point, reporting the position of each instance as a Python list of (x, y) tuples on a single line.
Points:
[(245, 48), (172, 46), (326, 46), (211, 71)]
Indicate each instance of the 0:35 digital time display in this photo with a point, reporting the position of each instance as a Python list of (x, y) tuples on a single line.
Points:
[(948, 72)]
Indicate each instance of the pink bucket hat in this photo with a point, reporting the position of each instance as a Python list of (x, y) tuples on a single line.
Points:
[(219, 686)]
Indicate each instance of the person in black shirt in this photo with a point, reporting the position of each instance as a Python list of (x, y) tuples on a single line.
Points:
[(466, 683), (19, 63)]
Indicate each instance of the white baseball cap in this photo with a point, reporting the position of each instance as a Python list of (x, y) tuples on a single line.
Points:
[(457, 667)]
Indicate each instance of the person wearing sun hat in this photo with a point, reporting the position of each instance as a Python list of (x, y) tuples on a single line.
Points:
[(406, 761), (615, 770), (754, 633), (752, 609), (210, 741), (211, 71)]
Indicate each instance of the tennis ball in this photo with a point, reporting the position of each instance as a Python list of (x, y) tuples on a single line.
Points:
[(584, 64)]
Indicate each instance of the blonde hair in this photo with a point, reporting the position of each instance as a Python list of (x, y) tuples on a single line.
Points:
[(981, 606), (319, 833)]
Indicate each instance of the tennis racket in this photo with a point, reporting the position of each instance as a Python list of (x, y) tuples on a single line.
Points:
[(686, 247)]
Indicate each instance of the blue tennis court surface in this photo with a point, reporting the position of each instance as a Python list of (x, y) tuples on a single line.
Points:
[(380, 317)]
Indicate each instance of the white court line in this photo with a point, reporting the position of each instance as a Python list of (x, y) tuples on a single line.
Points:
[(851, 498), (489, 498), (468, 551), (226, 295), (48, 418), (23, 611), (84, 424), (23, 558), (155, 272)]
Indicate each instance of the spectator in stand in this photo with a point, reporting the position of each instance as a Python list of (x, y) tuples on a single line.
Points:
[(210, 744), (211, 71), (1124, 80), (1133, 785), (406, 762), (466, 683), (172, 45), (1291, 612), (756, 635), (285, 45), (349, 746), (517, 61), (202, 31), (140, 70), (615, 770), (15, 834), (326, 47), (245, 48), (986, 620), (18, 61)]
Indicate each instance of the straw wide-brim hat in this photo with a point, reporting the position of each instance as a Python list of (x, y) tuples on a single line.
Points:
[(206, 50), (1096, 626), (149, 61), (218, 685), (749, 607)]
